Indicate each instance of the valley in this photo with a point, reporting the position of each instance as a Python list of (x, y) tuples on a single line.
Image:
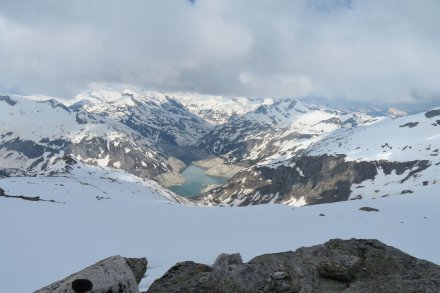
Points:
[(240, 152), (219, 146)]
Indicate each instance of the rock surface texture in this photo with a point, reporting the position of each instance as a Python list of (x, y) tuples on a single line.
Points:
[(336, 266), (316, 179), (114, 274)]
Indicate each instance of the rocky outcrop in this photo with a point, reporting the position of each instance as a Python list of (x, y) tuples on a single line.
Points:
[(432, 113), (336, 266), (8, 100), (114, 274), (315, 179)]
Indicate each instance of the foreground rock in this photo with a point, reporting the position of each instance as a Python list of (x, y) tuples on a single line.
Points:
[(114, 274), (336, 266)]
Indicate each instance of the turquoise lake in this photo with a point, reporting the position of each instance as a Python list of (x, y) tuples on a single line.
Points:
[(195, 181)]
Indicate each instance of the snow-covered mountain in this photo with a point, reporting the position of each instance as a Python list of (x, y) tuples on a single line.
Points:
[(387, 157), (281, 126), (41, 137), (159, 117), (218, 110), (297, 153)]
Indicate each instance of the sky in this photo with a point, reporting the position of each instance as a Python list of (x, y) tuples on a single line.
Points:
[(379, 51)]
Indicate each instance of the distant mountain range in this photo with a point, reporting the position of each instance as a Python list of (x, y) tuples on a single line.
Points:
[(295, 153)]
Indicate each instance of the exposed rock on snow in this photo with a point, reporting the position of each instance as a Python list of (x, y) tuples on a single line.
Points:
[(368, 209), (336, 266), (114, 274), (306, 180), (432, 113)]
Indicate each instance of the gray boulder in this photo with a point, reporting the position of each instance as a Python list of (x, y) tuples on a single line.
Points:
[(114, 274), (335, 266), (224, 260)]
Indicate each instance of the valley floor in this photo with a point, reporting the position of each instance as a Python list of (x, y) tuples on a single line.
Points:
[(42, 242)]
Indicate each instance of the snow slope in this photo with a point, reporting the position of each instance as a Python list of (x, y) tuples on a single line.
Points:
[(43, 241), (414, 137)]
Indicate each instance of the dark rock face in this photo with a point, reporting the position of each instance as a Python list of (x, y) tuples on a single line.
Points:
[(410, 124), (55, 104), (28, 148), (432, 113), (114, 274), (235, 139), (131, 156), (336, 266), (323, 179), (8, 100), (136, 161), (166, 121), (138, 266)]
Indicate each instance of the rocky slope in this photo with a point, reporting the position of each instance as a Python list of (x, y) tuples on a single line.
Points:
[(347, 164)]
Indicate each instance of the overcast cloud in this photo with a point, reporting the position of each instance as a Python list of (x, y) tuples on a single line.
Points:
[(362, 50)]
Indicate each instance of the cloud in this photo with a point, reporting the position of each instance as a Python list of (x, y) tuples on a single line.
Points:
[(377, 51)]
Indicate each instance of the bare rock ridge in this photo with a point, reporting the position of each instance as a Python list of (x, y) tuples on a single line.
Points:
[(355, 265), (336, 266)]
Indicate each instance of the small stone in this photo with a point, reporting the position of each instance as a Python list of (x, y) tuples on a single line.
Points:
[(368, 209), (321, 215)]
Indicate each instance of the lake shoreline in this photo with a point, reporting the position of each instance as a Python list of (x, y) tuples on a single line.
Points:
[(217, 167), (196, 181)]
